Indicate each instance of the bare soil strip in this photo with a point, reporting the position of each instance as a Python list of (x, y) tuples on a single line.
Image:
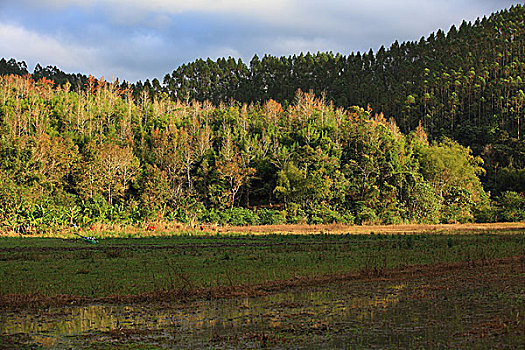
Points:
[(514, 265), (506, 227), (163, 229)]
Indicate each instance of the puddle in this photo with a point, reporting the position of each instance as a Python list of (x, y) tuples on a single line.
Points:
[(447, 311)]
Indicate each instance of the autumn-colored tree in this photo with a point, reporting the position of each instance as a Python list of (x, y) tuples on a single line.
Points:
[(232, 170), (106, 169), (55, 158), (118, 166)]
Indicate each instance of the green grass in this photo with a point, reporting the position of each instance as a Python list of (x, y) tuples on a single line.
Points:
[(53, 266)]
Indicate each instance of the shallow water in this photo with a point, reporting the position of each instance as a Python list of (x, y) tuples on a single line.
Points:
[(445, 311)]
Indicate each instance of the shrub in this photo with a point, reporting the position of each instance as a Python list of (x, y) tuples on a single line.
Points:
[(391, 217), (271, 217), (96, 208), (487, 212), (323, 213), (511, 206), (366, 216), (210, 216), (240, 217), (347, 218), (295, 214)]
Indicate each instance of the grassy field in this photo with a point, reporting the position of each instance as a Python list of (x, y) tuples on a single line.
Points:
[(52, 267), (308, 286), (473, 307)]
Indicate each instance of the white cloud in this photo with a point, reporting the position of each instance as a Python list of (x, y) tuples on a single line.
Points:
[(133, 8), (137, 39), (219, 52), (22, 44), (300, 44), (330, 17), (213, 6), (16, 41)]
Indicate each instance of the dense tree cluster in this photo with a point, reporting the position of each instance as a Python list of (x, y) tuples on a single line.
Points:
[(98, 154), (52, 73), (466, 83), (222, 141)]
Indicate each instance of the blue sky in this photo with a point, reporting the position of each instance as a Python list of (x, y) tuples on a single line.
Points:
[(137, 39)]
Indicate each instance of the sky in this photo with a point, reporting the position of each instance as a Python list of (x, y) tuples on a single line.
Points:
[(145, 39)]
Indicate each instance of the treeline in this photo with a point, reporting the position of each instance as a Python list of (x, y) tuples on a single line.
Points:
[(100, 155), (52, 73), (466, 84), (223, 141)]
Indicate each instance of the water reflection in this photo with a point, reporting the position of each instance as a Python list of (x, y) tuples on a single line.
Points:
[(359, 313), (219, 316)]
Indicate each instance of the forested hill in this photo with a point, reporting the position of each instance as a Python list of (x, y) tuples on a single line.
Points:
[(466, 83), (455, 83), (218, 137)]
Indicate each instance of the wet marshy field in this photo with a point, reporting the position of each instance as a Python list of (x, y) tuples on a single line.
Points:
[(264, 291), (480, 306)]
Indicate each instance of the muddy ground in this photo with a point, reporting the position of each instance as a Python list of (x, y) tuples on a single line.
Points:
[(478, 304)]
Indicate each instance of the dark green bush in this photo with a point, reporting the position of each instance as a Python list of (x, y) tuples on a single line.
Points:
[(211, 216), (271, 217), (511, 206), (240, 217)]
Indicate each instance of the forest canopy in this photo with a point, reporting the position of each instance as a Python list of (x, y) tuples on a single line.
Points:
[(98, 154), (438, 137)]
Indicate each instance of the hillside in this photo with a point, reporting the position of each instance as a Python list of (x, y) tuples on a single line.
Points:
[(453, 83), (220, 141)]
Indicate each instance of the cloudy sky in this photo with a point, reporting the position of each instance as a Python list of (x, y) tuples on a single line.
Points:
[(139, 39)]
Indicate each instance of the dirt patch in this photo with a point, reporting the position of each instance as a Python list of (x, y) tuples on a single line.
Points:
[(166, 229), (496, 326), (376, 229)]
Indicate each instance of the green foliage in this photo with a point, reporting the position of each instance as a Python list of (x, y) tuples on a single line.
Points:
[(424, 204), (239, 217), (487, 212), (512, 206), (295, 214), (323, 213), (154, 192), (271, 217), (99, 155), (366, 216), (291, 184), (96, 208), (453, 173), (210, 216), (188, 210)]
